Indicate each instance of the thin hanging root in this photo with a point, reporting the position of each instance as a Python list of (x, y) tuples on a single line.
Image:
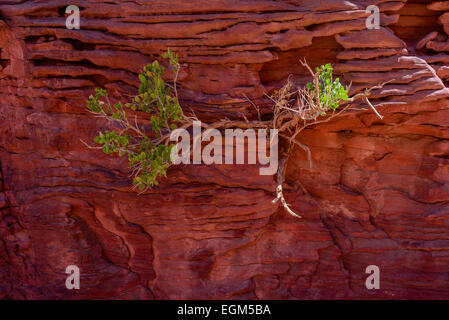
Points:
[(279, 193), (306, 149), (372, 107)]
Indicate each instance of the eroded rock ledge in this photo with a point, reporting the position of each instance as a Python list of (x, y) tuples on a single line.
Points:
[(378, 194)]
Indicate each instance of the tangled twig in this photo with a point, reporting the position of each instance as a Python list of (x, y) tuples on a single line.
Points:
[(296, 109)]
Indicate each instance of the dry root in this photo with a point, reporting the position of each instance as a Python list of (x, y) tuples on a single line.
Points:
[(296, 109), (279, 192)]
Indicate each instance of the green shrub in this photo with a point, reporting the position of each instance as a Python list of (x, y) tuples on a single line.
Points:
[(331, 91), (148, 154)]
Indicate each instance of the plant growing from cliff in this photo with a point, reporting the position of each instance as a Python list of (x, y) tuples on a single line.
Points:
[(297, 108), (148, 146), (330, 92)]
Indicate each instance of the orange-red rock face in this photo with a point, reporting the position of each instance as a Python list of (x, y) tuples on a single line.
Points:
[(377, 195)]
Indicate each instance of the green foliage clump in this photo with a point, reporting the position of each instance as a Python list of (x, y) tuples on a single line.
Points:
[(146, 146), (331, 91)]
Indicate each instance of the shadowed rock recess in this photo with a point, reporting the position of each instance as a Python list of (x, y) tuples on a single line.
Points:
[(377, 195)]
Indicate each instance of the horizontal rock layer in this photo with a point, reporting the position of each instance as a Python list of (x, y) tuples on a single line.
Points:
[(377, 195)]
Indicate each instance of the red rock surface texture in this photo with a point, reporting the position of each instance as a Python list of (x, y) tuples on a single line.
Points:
[(377, 195)]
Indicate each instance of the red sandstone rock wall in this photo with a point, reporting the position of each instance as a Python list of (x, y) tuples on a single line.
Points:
[(378, 194)]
